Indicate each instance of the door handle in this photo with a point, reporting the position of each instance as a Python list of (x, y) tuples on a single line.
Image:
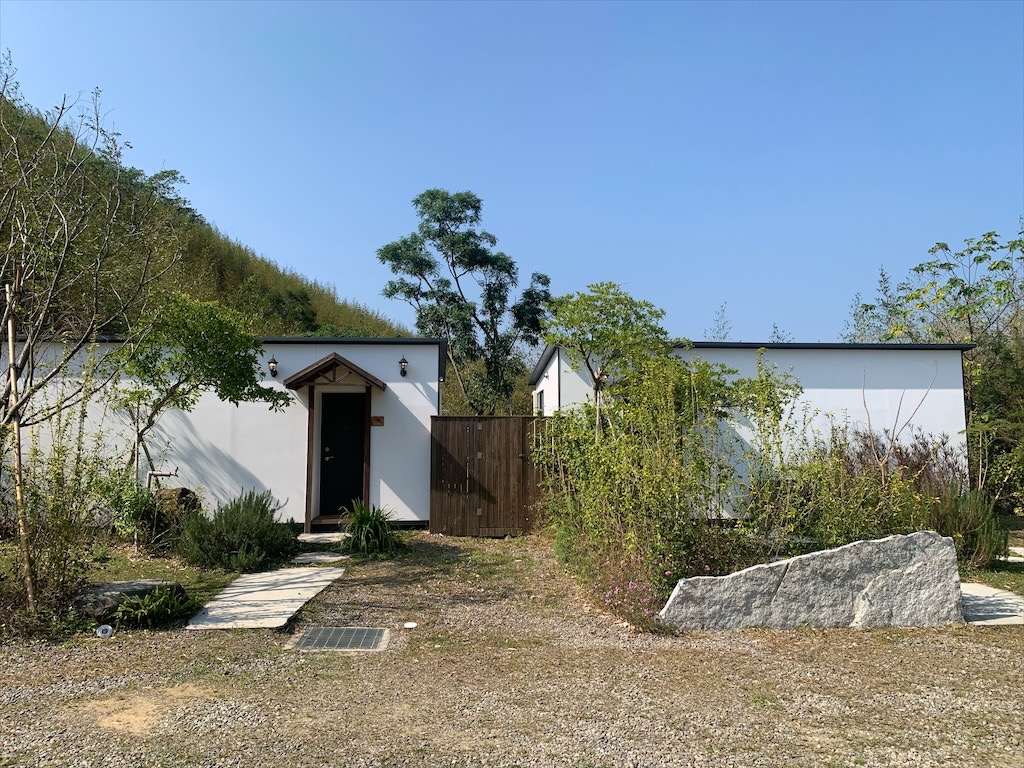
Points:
[(328, 458)]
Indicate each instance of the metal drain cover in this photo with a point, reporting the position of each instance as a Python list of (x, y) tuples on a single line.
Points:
[(342, 639)]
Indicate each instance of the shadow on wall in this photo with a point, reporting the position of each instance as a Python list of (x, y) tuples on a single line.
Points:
[(201, 464)]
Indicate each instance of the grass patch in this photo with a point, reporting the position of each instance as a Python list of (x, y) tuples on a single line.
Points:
[(122, 564)]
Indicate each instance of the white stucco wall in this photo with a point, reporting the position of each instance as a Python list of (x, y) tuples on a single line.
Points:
[(563, 386), (221, 449), (886, 389)]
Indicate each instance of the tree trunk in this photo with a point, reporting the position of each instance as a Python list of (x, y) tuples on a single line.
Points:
[(15, 421)]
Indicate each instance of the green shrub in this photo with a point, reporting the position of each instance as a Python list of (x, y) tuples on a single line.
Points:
[(136, 516), (970, 520), (370, 530), (161, 607), (635, 495), (242, 535)]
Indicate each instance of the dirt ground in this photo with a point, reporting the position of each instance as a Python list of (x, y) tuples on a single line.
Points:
[(509, 666)]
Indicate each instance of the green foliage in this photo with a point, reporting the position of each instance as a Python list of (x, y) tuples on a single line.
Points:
[(370, 531), (65, 473), (856, 485), (161, 607), (193, 346), (242, 536), (607, 332), (642, 507), (973, 296), (461, 290), (278, 301), (970, 520)]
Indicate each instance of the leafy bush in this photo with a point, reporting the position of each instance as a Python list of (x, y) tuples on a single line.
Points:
[(370, 530), (163, 606), (242, 535), (64, 508), (635, 495), (136, 516), (970, 520)]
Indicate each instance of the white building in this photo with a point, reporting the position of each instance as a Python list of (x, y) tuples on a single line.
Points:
[(893, 388), (357, 426)]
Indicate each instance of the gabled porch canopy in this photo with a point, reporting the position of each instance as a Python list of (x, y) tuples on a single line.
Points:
[(333, 369)]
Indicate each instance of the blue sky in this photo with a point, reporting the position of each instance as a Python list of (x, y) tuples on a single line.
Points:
[(771, 156)]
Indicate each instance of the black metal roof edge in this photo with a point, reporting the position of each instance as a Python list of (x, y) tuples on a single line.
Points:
[(347, 340), (442, 344), (538, 369), (817, 345)]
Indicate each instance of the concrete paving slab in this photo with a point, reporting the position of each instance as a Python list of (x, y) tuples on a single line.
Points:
[(318, 558), (990, 606), (1018, 551), (321, 538), (264, 600)]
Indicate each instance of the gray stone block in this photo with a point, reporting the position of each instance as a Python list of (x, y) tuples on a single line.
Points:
[(100, 602), (897, 581)]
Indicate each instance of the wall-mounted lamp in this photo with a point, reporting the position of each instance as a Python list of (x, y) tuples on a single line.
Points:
[(403, 365), (272, 366)]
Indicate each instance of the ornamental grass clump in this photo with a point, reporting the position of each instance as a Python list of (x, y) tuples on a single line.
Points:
[(242, 535), (370, 530)]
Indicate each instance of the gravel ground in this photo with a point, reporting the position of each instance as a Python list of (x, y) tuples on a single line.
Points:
[(509, 667)]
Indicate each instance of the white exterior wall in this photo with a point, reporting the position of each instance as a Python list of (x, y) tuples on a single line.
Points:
[(886, 390), (563, 386), (220, 449), (883, 388)]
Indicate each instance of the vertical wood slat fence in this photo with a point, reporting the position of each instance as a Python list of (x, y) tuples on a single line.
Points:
[(483, 481)]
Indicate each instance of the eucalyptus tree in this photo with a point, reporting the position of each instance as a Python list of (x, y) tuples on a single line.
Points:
[(462, 291)]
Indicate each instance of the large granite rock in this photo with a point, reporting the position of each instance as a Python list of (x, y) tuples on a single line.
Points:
[(898, 581), (101, 602)]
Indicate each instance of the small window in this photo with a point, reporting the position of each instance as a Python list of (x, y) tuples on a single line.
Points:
[(540, 403)]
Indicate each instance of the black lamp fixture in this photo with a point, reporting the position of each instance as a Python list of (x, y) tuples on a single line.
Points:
[(403, 365), (272, 366)]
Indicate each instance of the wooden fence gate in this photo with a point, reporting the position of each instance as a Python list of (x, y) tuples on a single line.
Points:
[(483, 481)]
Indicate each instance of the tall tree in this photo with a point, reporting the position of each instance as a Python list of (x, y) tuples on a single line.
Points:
[(84, 240), (608, 333), (462, 289)]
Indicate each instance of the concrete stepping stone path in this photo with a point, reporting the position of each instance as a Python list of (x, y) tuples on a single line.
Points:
[(987, 605), (318, 558), (264, 600)]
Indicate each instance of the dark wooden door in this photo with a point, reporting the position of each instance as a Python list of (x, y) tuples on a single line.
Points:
[(343, 455)]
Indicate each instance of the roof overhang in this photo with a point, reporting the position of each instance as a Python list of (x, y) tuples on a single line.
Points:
[(333, 369), (820, 345), (542, 364)]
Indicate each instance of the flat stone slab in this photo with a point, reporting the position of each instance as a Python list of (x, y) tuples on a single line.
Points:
[(318, 558), (898, 581), (321, 538), (264, 600), (101, 601), (990, 606)]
